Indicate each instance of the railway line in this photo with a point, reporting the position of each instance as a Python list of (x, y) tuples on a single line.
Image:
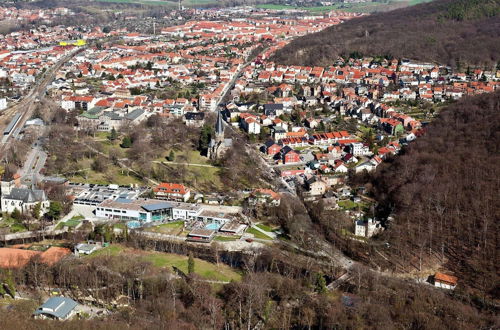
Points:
[(23, 110)]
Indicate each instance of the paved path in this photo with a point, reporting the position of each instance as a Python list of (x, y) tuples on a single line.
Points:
[(187, 164)]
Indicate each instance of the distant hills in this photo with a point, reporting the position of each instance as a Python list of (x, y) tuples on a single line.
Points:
[(453, 32)]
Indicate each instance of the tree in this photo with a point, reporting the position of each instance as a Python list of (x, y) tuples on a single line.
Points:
[(320, 283), (126, 142), (113, 135), (205, 136), (171, 156), (55, 210), (16, 214), (37, 210), (190, 264)]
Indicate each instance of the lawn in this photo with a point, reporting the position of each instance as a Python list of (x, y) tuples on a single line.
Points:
[(113, 175), (12, 224), (73, 222), (265, 227), (258, 234), (227, 238), (171, 228), (348, 204), (203, 268)]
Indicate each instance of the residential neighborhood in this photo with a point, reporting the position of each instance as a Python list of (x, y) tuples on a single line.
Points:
[(175, 139)]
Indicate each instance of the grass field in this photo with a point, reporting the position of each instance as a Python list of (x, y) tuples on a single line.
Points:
[(258, 234), (203, 268), (174, 4), (172, 228), (227, 238), (73, 222), (265, 227), (363, 7)]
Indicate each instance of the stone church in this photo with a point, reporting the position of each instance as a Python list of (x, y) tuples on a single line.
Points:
[(218, 144)]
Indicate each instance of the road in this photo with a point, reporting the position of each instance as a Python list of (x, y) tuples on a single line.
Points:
[(28, 104)]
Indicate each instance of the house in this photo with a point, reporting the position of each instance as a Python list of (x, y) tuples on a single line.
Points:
[(368, 166), (271, 148), (83, 248), (366, 228), (273, 110), (290, 156), (267, 196), (444, 281), (279, 133), (172, 192), (195, 119), (24, 199), (315, 186), (58, 308), (251, 125)]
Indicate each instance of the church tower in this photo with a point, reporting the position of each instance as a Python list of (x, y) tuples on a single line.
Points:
[(219, 128), (218, 144)]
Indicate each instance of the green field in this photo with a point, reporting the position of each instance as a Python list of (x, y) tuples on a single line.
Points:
[(203, 268), (265, 227), (72, 223), (258, 234), (174, 4), (172, 228), (363, 7)]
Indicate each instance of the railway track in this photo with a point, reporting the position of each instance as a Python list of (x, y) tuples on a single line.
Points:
[(27, 105)]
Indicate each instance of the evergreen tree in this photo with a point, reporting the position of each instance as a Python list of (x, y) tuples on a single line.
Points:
[(113, 135), (320, 283), (126, 142), (16, 214), (171, 156), (55, 210), (37, 210)]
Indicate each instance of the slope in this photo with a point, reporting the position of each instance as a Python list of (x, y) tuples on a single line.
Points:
[(444, 192)]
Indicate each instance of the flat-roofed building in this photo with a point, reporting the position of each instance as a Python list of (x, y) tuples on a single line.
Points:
[(143, 210)]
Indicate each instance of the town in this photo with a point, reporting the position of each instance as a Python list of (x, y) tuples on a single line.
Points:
[(141, 133)]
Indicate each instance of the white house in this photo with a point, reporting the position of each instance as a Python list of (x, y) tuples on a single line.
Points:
[(366, 228)]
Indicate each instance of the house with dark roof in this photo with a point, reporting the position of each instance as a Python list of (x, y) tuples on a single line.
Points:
[(24, 199), (58, 308)]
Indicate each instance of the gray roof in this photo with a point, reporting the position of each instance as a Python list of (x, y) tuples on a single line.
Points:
[(157, 206), (134, 114), (27, 195), (219, 125), (59, 307)]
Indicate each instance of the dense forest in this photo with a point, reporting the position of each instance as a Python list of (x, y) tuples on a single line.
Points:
[(444, 192), (453, 32)]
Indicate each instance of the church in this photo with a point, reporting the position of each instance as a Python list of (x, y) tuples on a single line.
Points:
[(218, 144)]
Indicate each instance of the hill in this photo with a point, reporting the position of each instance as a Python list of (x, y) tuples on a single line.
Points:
[(443, 31), (444, 193)]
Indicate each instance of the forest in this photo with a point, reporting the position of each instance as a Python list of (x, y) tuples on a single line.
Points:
[(278, 291), (452, 32), (444, 194)]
